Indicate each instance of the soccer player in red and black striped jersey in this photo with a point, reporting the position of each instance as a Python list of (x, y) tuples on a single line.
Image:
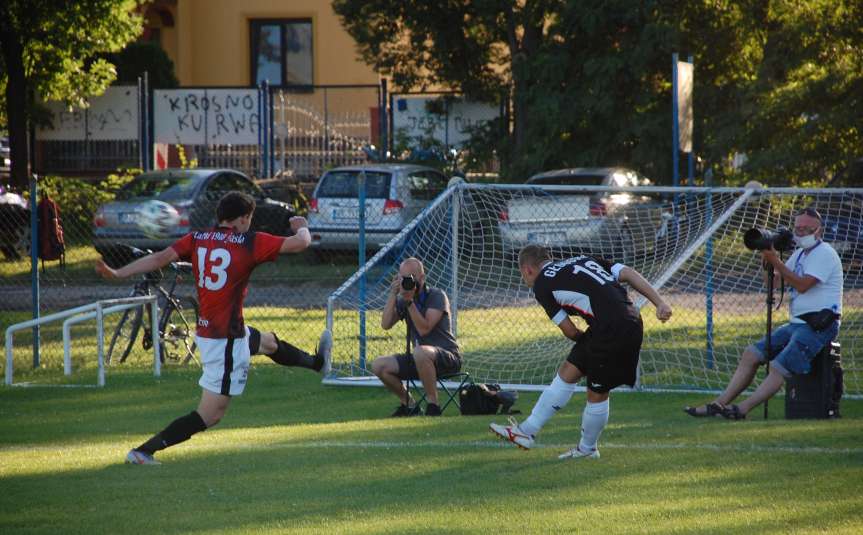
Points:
[(223, 258), (606, 352)]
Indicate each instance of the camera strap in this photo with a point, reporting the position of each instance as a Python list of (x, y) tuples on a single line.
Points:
[(422, 295)]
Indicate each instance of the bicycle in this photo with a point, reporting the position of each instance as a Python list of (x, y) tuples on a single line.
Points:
[(178, 317)]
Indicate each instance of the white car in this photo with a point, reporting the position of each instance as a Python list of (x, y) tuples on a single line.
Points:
[(395, 194)]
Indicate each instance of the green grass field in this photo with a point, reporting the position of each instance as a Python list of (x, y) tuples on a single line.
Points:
[(293, 456)]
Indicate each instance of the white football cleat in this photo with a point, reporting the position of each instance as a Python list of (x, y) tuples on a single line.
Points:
[(325, 351), (513, 433), (576, 453), (139, 457)]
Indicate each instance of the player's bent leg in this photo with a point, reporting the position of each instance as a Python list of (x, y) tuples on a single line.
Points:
[(212, 407), (286, 354), (553, 398), (267, 343)]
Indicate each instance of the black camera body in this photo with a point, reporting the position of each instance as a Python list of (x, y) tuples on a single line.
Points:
[(759, 239), (408, 283)]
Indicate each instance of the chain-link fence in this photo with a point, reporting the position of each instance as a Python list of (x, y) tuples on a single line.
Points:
[(687, 242)]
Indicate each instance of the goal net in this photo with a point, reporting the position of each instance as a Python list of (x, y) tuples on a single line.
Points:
[(688, 242)]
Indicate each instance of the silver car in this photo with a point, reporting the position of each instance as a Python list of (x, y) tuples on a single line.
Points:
[(395, 194), (194, 194), (576, 222)]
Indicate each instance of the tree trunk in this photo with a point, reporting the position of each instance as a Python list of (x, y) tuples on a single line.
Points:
[(522, 49), (16, 103)]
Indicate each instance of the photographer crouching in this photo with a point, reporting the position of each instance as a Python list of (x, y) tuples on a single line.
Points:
[(427, 313), (814, 273)]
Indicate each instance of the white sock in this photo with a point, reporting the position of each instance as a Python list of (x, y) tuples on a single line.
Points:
[(593, 421), (554, 398)]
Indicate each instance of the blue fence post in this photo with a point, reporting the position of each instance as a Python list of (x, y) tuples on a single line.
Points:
[(361, 189), (271, 151), (34, 265), (265, 135), (708, 260), (382, 118)]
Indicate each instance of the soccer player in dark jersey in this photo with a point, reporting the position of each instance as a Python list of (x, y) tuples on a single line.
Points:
[(222, 261), (606, 352)]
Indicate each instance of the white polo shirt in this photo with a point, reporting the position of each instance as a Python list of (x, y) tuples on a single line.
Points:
[(823, 263)]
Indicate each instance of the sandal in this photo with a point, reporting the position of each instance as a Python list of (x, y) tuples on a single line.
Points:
[(732, 412), (711, 409)]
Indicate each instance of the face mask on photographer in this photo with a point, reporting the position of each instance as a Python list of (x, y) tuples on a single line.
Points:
[(806, 241)]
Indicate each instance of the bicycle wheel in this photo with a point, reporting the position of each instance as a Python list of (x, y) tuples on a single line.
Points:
[(124, 336), (178, 336)]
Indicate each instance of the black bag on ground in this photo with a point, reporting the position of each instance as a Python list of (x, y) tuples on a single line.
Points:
[(480, 398)]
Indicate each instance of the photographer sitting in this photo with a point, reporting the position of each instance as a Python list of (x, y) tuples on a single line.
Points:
[(427, 312), (814, 272)]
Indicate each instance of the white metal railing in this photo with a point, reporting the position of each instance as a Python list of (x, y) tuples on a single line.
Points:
[(97, 309)]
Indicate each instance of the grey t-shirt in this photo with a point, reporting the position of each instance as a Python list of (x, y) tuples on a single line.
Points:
[(441, 335)]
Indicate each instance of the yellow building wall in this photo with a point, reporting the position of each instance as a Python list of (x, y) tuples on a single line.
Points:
[(210, 41)]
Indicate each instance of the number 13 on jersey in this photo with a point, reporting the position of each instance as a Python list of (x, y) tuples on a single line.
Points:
[(215, 275)]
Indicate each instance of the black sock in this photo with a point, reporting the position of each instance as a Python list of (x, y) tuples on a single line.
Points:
[(288, 355), (180, 430)]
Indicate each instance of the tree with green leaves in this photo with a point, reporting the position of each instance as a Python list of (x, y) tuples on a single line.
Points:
[(52, 50), (590, 80)]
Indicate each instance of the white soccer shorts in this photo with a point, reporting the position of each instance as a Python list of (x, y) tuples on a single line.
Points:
[(226, 364)]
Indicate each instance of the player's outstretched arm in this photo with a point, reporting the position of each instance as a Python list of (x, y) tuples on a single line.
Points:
[(145, 264), (634, 279), (301, 239)]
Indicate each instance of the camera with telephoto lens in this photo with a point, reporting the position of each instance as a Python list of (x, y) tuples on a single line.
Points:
[(408, 283), (759, 239)]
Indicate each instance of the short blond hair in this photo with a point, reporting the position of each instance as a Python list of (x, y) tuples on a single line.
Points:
[(533, 255)]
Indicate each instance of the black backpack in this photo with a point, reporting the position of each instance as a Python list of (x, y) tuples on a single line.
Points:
[(480, 398)]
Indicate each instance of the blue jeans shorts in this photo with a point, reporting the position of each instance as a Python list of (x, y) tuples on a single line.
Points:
[(794, 345)]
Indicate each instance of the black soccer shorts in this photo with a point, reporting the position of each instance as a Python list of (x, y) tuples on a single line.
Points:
[(446, 362), (609, 361)]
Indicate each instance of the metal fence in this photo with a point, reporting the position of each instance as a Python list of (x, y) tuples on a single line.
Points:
[(262, 131), (327, 127)]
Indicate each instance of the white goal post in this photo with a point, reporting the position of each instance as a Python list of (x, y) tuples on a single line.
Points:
[(686, 241)]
